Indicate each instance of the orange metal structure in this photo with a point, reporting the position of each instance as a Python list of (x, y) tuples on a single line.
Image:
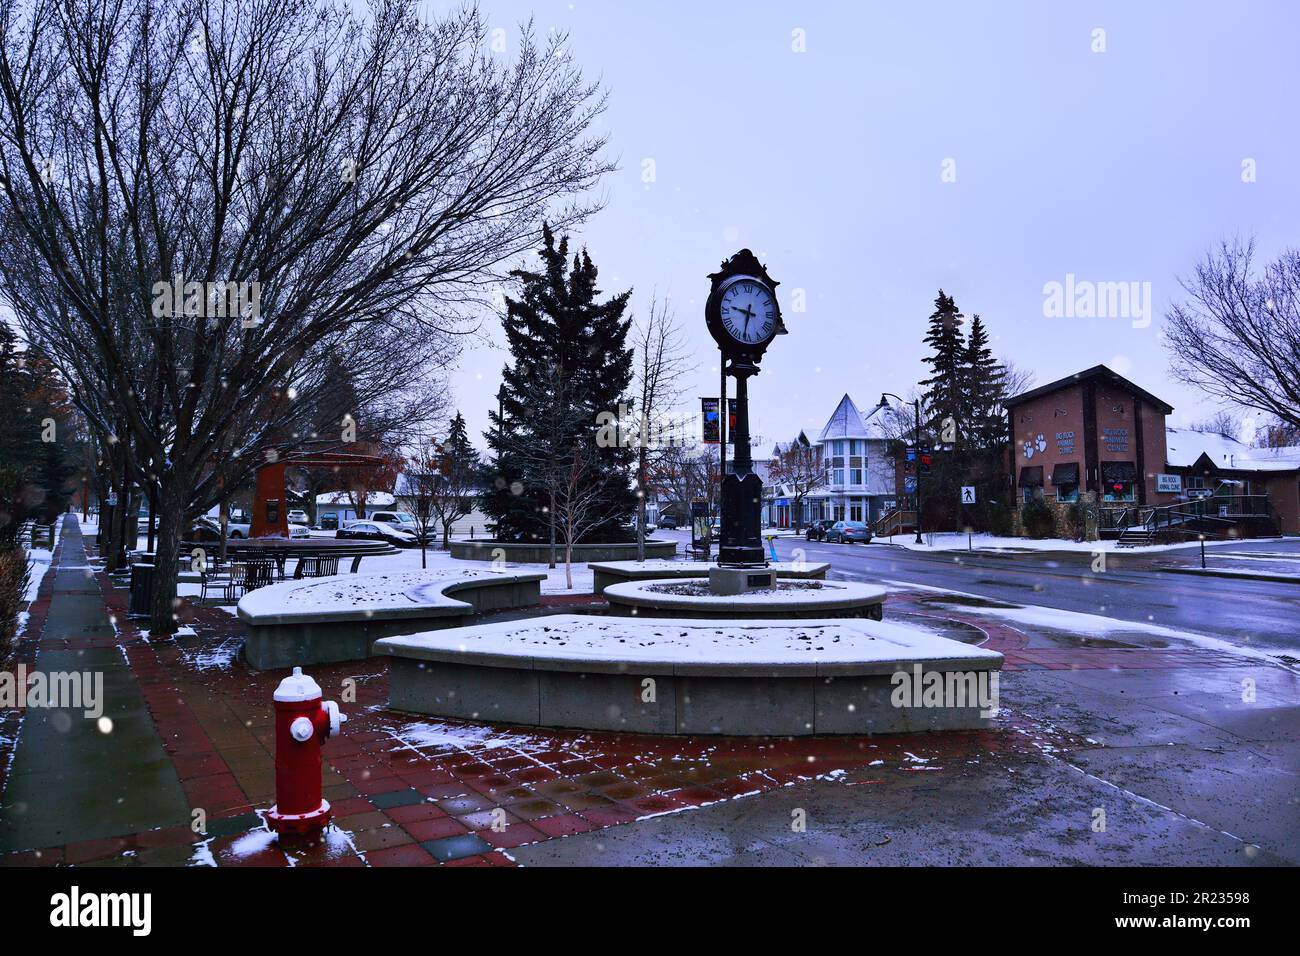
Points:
[(270, 516)]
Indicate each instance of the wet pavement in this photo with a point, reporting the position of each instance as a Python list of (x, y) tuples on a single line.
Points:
[(1116, 743), (1131, 586)]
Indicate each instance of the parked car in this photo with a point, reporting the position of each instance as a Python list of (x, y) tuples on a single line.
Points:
[(378, 531), (207, 528), (298, 517), (297, 530), (846, 532), (667, 521), (817, 530), (398, 519), (402, 521), (328, 522)]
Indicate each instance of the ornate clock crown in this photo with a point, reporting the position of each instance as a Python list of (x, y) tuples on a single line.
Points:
[(743, 263)]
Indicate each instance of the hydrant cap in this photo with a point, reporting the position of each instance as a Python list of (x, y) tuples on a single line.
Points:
[(296, 688)]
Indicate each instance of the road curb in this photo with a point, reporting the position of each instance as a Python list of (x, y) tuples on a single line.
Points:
[(1239, 575)]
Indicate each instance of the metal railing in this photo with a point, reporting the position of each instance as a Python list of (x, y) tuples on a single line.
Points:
[(893, 522), (1228, 509)]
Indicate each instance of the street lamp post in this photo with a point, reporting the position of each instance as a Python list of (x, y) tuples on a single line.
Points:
[(916, 405)]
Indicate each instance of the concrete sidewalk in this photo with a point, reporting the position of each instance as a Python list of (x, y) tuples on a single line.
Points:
[(76, 778)]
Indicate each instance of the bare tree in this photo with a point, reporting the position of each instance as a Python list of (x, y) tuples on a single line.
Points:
[(580, 502), (199, 201), (1220, 423), (798, 466), (662, 362), (1276, 435), (444, 480), (688, 473), (1237, 336)]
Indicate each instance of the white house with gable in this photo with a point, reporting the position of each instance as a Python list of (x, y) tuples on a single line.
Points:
[(858, 484)]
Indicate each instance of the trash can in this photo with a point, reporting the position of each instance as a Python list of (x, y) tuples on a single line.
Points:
[(141, 586)]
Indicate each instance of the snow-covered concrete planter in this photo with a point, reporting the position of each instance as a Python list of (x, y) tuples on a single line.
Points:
[(484, 550), (338, 618), (666, 676), (791, 599), (605, 573)]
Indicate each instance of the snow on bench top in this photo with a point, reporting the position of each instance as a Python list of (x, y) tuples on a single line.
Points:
[(355, 596), (597, 644), (701, 568)]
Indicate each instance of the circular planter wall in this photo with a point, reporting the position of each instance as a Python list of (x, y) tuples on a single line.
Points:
[(485, 550), (793, 599)]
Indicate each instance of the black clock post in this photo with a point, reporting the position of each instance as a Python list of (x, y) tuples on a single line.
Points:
[(741, 544), (743, 317)]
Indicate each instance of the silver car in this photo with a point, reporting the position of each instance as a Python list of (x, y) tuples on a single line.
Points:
[(845, 532)]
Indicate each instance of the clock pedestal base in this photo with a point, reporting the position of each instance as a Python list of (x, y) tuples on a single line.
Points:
[(739, 580)]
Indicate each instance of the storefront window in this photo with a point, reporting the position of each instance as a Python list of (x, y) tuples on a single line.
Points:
[(855, 510), (1067, 493), (1119, 491)]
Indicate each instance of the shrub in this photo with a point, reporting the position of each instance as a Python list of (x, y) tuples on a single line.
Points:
[(15, 574), (1036, 518), (1000, 519)]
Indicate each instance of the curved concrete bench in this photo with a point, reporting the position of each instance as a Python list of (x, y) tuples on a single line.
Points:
[(667, 676), (338, 618), (481, 549), (605, 573), (820, 599)]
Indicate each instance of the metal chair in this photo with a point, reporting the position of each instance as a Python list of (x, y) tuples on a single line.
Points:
[(260, 574), (235, 585), (317, 566)]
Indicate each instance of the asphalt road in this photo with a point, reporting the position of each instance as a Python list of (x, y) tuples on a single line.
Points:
[(1132, 587)]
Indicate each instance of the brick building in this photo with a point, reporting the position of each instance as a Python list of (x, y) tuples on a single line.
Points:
[(1095, 431), (1092, 431)]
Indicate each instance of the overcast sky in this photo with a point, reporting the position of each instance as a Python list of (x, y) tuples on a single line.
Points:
[(1115, 166)]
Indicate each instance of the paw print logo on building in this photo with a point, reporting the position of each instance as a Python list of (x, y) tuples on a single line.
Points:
[(1032, 445)]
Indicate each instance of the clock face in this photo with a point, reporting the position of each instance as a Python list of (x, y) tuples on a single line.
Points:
[(748, 310)]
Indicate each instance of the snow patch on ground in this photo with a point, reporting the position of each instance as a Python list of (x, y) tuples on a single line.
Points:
[(957, 541), (1080, 623), (202, 855), (453, 735)]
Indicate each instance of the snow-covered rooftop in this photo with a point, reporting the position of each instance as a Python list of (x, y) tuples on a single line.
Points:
[(376, 499), (1184, 447)]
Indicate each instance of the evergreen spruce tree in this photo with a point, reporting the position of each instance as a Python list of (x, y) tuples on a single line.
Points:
[(985, 387), (986, 443), (569, 363), (946, 415), (945, 389)]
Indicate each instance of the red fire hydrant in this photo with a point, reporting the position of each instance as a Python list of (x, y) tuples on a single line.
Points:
[(302, 724)]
